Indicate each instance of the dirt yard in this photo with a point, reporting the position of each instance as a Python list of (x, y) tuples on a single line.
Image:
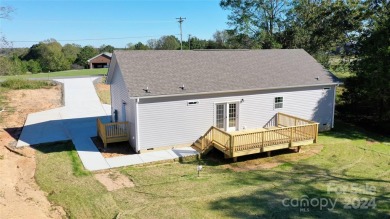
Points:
[(113, 180), (20, 196), (103, 91)]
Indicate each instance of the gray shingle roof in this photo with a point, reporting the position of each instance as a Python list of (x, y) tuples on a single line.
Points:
[(164, 72)]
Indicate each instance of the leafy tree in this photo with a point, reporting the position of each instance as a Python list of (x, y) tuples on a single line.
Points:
[(368, 92), (323, 25), (257, 19), (241, 41), (168, 43), (152, 43), (33, 66), (196, 43), (106, 48), (129, 46), (71, 51), (11, 66), (221, 38), (86, 53), (140, 46), (50, 56)]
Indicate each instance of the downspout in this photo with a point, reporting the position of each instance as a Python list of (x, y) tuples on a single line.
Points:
[(137, 142), (334, 104)]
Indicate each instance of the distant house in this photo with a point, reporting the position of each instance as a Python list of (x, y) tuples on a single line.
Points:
[(238, 101), (100, 61)]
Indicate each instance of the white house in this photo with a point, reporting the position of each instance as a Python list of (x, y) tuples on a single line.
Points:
[(171, 98)]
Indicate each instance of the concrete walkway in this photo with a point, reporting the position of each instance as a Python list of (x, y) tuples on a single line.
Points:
[(76, 121)]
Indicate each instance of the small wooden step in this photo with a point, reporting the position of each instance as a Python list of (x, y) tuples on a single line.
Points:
[(198, 146)]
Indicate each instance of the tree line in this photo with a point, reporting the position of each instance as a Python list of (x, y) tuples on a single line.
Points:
[(50, 55), (47, 56)]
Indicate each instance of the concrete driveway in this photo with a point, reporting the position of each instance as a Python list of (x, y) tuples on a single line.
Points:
[(76, 121)]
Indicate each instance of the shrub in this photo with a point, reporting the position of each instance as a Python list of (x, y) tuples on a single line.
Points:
[(17, 84), (33, 66)]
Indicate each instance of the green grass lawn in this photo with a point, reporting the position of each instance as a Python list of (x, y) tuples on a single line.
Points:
[(349, 158), (70, 73)]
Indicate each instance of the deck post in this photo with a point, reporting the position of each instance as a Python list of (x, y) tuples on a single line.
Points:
[(316, 133), (232, 145)]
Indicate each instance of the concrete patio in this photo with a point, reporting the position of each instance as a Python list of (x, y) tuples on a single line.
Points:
[(76, 121)]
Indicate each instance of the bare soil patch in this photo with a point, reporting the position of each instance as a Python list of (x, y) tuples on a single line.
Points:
[(103, 91), (114, 180), (113, 149), (279, 157), (20, 196)]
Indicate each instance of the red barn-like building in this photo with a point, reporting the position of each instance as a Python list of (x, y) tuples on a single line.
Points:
[(100, 61)]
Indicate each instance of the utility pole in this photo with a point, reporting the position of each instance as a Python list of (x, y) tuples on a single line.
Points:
[(189, 41), (181, 20)]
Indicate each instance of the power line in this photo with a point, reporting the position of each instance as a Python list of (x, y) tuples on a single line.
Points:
[(181, 20), (89, 39)]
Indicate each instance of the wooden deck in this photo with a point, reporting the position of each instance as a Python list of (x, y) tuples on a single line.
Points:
[(112, 132), (290, 131)]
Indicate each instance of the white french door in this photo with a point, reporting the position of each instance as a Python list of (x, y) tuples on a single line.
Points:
[(226, 116)]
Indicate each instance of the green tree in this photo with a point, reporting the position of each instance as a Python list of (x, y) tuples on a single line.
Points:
[(11, 66), (257, 19), (51, 57), (196, 43), (33, 66), (221, 38), (168, 43), (71, 51), (241, 41), (368, 91), (106, 48), (152, 43), (322, 26), (86, 53), (140, 46)]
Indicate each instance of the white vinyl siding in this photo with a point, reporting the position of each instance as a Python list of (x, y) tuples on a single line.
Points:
[(172, 122), (119, 95)]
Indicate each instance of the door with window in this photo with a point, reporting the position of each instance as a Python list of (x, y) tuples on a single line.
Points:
[(226, 116)]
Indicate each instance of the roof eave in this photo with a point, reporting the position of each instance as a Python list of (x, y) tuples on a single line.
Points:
[(235, 91)]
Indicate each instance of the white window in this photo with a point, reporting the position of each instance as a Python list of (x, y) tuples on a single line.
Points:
[(278, 102)]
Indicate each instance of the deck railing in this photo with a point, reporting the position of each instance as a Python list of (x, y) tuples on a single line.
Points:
[(113, 132), (275, 136), (287, 120), (290, 129), (216, 136)]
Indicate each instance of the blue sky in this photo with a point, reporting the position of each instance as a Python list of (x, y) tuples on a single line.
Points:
[(37, 20)]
